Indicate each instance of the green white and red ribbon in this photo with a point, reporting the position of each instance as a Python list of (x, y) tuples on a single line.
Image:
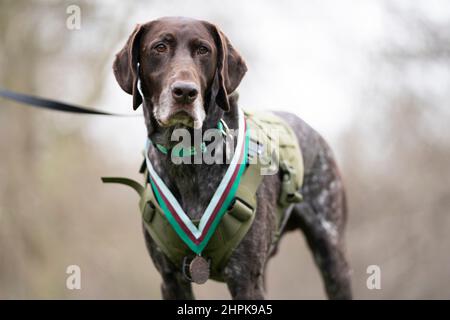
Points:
[(196, 238)]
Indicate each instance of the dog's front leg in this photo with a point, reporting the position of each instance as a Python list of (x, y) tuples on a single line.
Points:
[(244, 284), (174, 286), (244, 273)]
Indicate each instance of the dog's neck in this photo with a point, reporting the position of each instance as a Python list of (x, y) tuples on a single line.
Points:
[(193, 185)]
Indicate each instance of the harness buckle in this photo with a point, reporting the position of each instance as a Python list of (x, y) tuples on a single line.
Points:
[(149, 212), (289, 193)]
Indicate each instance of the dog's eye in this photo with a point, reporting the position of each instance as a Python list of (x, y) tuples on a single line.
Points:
[(202, 50), (161, 48)]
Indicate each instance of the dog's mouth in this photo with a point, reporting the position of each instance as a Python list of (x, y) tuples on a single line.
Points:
[(180, 117), (169, 113)]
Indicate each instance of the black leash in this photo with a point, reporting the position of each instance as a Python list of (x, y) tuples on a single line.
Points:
[(55, 105)]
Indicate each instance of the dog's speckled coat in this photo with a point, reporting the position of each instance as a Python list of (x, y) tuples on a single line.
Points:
[(322, 214)]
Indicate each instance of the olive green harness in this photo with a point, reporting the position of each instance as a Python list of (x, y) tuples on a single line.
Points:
[(272, 146)]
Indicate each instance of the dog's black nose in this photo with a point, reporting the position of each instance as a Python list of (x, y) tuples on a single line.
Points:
[(184, 92)]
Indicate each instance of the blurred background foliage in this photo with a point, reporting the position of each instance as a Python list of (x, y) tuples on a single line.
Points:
[(372, 76)]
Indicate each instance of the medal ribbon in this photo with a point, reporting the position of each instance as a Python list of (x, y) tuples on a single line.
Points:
[(197, 238)]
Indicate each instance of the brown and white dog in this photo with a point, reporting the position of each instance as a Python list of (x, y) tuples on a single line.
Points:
[(188, 69)]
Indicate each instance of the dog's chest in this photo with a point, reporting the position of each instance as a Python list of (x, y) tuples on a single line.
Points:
[(194, 185)]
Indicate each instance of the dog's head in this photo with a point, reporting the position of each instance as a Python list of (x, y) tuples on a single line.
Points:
[(186, 67)]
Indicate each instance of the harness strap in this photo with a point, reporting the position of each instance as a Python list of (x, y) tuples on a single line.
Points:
[(129, 182)]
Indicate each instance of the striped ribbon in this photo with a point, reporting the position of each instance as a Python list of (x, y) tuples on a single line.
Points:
[(196, 238)]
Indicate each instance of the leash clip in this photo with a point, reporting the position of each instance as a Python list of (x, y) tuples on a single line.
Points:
[(223, 128)]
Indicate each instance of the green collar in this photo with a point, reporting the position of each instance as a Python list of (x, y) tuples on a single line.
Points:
[(181, 152)]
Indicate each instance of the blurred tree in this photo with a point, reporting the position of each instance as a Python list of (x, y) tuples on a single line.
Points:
[(396, 162), (39, 55)]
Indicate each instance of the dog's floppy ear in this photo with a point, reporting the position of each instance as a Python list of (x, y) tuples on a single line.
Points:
[(231, 68), (126, 66)]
